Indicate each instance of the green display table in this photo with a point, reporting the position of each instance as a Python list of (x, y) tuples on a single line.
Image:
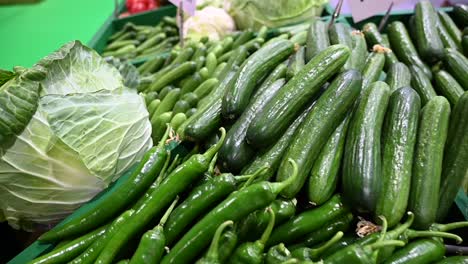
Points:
[(30, 32)]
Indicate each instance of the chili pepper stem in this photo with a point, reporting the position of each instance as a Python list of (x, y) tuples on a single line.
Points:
[(212, 166), (253, 176), (403, 227), (318, 251), (271, 224), (375, 255), (448, 227), (164, 168), (212, 253), (277, 187), (415, 234), (168, 212), (211, 152), (387, 243), (163, 140), (171, 167)]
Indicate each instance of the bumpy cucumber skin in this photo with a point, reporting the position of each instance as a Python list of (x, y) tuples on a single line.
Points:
[(340, 33), (451, 27), (317, 39), (372, 69), (428, 42), (421, 83), (457, 65), (454, 168), (398, 138), (358, 56), (398, 76), (280, 112), (427, 165), (404, 48), (373, 37), (447, 86), (324, 174), (361, 158), (329, 111)]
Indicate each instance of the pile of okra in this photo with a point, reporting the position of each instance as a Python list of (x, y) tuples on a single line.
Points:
[(311, 144)]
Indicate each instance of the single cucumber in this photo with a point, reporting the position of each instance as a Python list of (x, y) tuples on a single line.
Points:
[(165, 91), (398, 141), (272, 157), (233, 63), (317, 39), (235, 152), (296, 62), (243, 38), (236, 98), (278, 73), (457, 65), (168, 102), (151, 42), (299, 38), (340, 33), (447, 86), (184, 56), (204, 73), (218, 91), (329, 111), (403, 47), (398, 76), (219, 68), (324, 174), (358, 56), (428, 42), (181, 106), (211, 63), (153, 106), (158, 125), (373, 67), (427, 165), (460, 13), (421, 84), (177, 120), (446, 38), (454, 166), (205, 87), (193, 81), (280, 112), (173, 75), (465, 45), (361, 158), (191, 99), (373, 37)]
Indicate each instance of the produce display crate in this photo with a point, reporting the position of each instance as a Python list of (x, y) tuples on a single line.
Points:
[(112, 25)]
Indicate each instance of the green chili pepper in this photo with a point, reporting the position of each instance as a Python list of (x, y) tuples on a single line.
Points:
[(344, 242), (212, 256), (237, 206), (200, 200), (110, 205), (70, 250), (92, 252), (152, 243), (277, 254), (308, 221), (123, 261), (305, 253), (174, 184), (418, 252), (454, 260), (326, 232), (227, 244), (250, 228), (252, 252)]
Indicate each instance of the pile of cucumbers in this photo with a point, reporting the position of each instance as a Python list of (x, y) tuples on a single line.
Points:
[(137, 41), (332, 145)]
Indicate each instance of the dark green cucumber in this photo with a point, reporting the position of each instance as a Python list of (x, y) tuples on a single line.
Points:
[(317, 39), (403, 47), (329, 111), (373, 67), (361, 158), (323, 177), (190, 112), (243, 38), (429, 44), (237, 98), (373, 37), (234, 62), (359, 52), (168, 102), (235, 152), (457, 65), (280, 112), (447, 86), (450, 26), (205, 87), (173, 75), (421, 84), (398, 76), (190, 98), (398, 141), (218, 91), (278, 73), (296, 63), (427, 165), (340, 33), (193, 82), (455, 156), (460, 13), (181, 107), (204, 122), (446, 38), (272, 157), (464, 44)]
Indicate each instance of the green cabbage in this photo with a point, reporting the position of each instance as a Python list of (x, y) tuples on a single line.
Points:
[(71, 138), (256, 13)]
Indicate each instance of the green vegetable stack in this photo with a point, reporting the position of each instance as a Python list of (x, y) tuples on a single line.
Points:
[(328, 128)]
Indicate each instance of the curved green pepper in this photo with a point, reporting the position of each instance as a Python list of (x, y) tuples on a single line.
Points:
[(212, 256)]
